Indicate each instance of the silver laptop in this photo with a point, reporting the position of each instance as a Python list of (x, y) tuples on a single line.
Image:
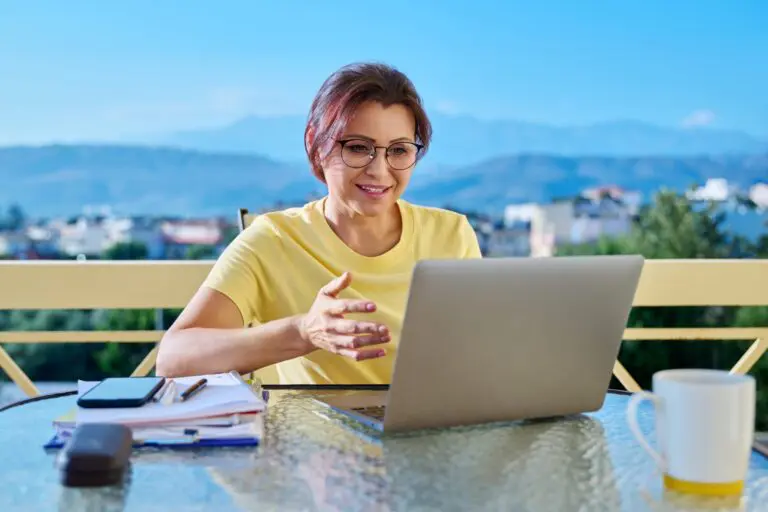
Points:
[(500, 339)]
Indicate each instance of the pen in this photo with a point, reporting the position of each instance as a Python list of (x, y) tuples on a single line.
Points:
[(197, 386)]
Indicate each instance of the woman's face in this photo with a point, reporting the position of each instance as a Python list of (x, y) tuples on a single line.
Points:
[(371, 187)]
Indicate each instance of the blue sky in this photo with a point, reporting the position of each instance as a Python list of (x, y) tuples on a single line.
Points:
[(80, 70)]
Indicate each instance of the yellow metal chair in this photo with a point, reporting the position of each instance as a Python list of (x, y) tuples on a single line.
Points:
[(701, 282)]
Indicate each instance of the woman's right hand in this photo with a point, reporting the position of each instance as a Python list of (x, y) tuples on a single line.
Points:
[(325, 327)]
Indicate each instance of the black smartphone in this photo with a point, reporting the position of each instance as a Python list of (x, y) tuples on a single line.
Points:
[(121, 392)]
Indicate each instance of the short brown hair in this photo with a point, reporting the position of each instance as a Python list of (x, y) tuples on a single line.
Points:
[(347, 89)]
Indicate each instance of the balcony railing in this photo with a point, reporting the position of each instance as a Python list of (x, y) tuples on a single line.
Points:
[(35, 285)]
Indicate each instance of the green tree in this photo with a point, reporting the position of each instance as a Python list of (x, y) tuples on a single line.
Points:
[(229, 234), (53, 361), (126, 251), (672, 227), (15, 219), (200, 252), (122, 358), (604, 246), (761, 247)]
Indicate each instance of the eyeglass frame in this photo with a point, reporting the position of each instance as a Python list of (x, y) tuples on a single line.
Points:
[(373, 153)]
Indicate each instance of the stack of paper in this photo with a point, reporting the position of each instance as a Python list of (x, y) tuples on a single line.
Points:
[(226, 412)]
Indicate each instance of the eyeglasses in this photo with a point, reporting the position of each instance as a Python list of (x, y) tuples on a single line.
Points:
[(399, 155)]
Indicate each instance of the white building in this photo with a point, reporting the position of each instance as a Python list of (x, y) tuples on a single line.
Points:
[(142, 230), (759, 195), (520, 214), (632, 199), (44, 241), (583, 220), (180, 236), (715, 189), (83, 236)]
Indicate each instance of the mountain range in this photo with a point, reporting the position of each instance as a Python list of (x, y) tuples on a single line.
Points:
[(465, 140), (61, 179)]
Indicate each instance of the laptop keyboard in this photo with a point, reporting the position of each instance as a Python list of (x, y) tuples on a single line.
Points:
[(376, 412)]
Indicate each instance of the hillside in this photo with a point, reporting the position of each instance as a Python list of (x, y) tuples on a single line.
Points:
[(464, 140), (60, 180), (492, 184)]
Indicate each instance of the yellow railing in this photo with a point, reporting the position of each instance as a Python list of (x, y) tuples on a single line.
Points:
[(170, 284)]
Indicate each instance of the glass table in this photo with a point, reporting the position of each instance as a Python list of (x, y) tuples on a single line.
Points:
[(312, 459)]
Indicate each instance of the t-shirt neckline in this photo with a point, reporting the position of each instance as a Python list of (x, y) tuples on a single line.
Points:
[(392, 256)]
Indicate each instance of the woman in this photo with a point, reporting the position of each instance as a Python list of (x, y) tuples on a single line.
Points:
[(322, 289)]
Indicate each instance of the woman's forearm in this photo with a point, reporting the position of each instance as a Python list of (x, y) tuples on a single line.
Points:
[(200, 350)]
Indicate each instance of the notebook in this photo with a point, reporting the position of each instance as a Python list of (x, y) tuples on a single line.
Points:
[(227, 412)]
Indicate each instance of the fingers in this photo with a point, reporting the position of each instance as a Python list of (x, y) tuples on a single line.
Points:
[(354, 347), (333, 288), (342, 342), (349, 338), (361, 355), (342, 326), (341, 307)]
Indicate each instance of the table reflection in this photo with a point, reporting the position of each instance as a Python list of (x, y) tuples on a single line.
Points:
[(561, 464)]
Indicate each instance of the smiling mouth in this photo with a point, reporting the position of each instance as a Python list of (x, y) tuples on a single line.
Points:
[(374, 190)]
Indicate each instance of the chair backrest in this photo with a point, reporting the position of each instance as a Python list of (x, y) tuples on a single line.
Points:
[(702, 282), (244, 218), (267, 375)]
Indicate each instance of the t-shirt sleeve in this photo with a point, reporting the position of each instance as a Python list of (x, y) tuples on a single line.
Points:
[(470, 245), (238, 273)]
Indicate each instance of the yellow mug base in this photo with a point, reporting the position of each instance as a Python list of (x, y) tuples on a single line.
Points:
[(703, 488)]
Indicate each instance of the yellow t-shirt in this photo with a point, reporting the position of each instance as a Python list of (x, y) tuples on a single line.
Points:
[(275, 267)]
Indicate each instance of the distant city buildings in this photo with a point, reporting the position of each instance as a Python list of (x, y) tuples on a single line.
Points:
[(90, 234), (528, 229), (597, 212), (179, 236)]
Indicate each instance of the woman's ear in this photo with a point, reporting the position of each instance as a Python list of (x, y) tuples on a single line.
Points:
[(314, 159), (309, 138)]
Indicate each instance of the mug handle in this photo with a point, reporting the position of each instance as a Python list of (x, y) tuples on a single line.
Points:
[(634, 403)]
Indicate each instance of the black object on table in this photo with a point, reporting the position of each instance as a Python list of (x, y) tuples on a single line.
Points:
[(97, 454)]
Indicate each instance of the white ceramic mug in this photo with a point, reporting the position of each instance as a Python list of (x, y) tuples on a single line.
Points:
[(705, 421)]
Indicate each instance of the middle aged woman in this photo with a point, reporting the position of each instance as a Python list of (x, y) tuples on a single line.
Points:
[(321, 289)]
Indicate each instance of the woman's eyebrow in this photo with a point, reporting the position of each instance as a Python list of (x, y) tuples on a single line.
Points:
[(365, 137), (357, 136)]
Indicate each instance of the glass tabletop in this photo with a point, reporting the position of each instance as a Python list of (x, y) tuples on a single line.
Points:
[(312, 459)]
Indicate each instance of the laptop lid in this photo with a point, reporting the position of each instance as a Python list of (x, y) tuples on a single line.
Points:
[(509, 338)]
